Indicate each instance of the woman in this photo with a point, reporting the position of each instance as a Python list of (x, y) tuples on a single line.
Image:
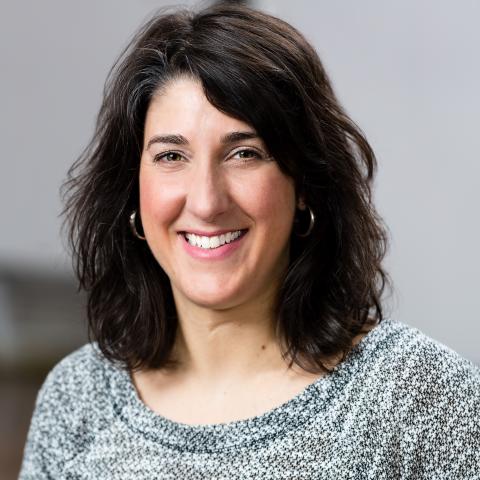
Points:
[(223, 227)]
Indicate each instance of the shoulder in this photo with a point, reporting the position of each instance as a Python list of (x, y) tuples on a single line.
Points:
[(411, 357), (78, 373), (79, 383), (72, 406), (418, 368), (430, 397)]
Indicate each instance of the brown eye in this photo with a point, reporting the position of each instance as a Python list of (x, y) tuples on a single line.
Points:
[(247, 154), (168, 157)]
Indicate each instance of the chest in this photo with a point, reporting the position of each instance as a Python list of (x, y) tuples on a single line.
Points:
[(196, 404)]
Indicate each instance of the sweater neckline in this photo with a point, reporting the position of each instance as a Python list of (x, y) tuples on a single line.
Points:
[(222, 437)]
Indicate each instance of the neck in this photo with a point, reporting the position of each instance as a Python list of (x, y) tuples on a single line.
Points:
[(228, 343)]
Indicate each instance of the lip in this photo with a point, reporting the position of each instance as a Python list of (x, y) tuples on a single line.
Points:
[(212, 234), (218, 253)]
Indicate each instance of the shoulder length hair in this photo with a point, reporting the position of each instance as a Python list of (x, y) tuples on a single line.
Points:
[(261, 70)]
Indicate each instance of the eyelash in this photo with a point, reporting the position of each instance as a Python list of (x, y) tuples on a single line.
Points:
[(161, 157)]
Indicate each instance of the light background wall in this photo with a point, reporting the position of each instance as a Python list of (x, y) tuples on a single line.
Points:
[(408, 73), (55, 56)]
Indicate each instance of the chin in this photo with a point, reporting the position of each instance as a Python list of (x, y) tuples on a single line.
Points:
[(215, 300)]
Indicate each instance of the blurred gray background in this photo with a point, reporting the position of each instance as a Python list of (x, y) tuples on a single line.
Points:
[(407, 72)]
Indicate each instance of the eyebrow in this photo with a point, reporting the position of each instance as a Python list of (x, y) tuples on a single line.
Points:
[(177, 139)]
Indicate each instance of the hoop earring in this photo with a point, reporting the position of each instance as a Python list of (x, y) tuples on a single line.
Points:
[(310, 226), (133, 226)]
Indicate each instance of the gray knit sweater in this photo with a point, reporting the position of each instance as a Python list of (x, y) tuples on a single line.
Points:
[(400, 406)]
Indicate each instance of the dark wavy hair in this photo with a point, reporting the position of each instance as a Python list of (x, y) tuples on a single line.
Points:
[(261, 70)]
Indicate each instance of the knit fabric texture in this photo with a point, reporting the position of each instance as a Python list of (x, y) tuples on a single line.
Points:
[(400, 406)]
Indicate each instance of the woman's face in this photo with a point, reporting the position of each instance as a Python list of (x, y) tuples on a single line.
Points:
[(204, 174)]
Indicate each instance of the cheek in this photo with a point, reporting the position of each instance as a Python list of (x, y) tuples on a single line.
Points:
[(272, 199), (159, 202)]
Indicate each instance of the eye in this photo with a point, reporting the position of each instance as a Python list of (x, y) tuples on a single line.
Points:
[(247, 154), (168, 157)]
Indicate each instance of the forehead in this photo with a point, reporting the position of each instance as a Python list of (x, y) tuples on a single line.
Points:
[(182, 107)]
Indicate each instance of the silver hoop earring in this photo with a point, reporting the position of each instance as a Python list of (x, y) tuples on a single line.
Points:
[(133, 226), (310, 226)]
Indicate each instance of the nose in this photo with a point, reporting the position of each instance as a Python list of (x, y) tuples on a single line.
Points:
[(207, 196)]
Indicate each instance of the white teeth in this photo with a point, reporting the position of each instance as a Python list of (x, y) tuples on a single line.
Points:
[(211, 242)]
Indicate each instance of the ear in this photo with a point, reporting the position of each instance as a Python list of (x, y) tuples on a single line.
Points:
[(301, 202)]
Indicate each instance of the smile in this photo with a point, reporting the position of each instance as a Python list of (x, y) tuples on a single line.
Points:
[(215, 241)]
